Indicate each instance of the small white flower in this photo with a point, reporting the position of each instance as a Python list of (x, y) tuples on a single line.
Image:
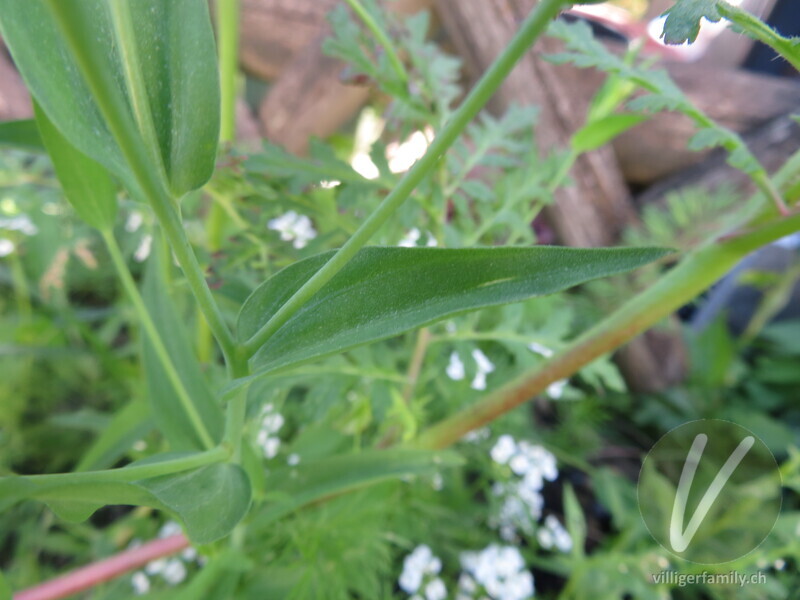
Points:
[(140, 583), (500, 571), (556, 389), (437, 482), (143, 251), (293, 460), (294, 228), (435, 590), (364, 166), (189, 554), (504, 449), (6, 247), (540, 349), (169, 528), (485, 367), (478, 435), (553, 533), (410, 239), (21, 223), (174, 572), (272, 423), (134, 221), (269, 446), (156, 566), (455, 369), (418, 565)]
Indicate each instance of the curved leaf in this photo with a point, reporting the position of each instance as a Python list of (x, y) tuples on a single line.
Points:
[(383, 292), (209, 501), (159, 67), (22, 134), (87, 185)]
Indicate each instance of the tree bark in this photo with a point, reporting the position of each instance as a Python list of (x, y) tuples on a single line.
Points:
[(596, 206)]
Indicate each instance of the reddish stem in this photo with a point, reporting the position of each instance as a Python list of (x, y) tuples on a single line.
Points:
[(104, 570)]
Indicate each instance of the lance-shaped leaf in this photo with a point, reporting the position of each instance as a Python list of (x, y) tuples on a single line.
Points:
[(23, 135), (209, 501), (383, 292), (87, 184), (314, 480), (156, 65), (170, 406)]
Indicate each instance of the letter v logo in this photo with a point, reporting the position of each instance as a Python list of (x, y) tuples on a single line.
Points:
[(680, 538)]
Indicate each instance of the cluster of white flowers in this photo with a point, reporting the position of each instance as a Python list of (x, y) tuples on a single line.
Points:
[(456, 371), (412, 238), (498, 571), (552, 533), (420, 575), (271, 423), (172, 570), (294, 228), (521, 499), (19, 223)]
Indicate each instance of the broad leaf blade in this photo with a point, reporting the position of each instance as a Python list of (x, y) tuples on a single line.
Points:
[(314, 480), (167, 409), (161, 75), (383, 292), (209, 501), (87, 185)]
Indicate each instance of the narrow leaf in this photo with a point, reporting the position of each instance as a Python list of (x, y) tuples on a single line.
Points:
[(168, 411), (87, 185), (384, 292), (158, 66), (127, 426), (314, 480), (23, 135), (598, 133), (576, 521)]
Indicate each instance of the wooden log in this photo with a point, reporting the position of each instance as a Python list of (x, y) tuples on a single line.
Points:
[(15, 102), (273, 32), (593, 210), (309, 98), (657, 148), (771, 143)]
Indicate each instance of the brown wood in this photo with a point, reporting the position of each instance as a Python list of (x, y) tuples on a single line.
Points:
[(15, 102), (593, 210), (273, 32), (657, 148), (309, 98), (772, 144)]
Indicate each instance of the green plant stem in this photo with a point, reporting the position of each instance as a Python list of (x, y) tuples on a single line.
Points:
[(531, 29), (228, 16), (155, 338), (19, 281), (758, 30), (697, 271), (138, 472), (382, 37), (115, 113)]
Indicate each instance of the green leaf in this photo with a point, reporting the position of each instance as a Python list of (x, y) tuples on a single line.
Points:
[(23, 135), (87, 185), (168, 411), (598, 133), (127, 426), (315, 480), (157, 65), (384, 292), (5, 588), (575, 521), (683, 20), (209, 501)]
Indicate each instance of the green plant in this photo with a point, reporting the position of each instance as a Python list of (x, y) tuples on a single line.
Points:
[(146, 116)]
